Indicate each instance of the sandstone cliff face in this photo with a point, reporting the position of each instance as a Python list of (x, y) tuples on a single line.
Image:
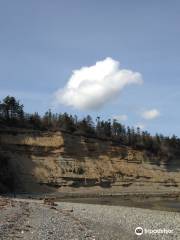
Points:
[(48, 161)]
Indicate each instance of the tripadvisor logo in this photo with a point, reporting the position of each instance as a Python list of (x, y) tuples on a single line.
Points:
[(139, 231)]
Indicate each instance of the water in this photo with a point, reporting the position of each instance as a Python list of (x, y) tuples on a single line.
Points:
[(163, 203), (172, 205)]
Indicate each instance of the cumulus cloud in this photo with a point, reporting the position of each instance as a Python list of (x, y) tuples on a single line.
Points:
[(142, 126), (150, 114), (120, 118), (89, 88)]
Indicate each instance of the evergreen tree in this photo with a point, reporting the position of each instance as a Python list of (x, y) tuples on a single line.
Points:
[(12, 114)]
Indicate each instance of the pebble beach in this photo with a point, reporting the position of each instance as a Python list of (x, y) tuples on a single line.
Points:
[(30, 219)]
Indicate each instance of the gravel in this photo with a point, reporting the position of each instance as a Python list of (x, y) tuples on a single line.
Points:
[(115, 222), (34, 220)]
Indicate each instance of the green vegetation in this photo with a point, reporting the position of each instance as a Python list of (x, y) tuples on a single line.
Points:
[(12, 114)]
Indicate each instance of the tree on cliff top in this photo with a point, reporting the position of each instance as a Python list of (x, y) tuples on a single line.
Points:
[(12, 113), (10, 109)]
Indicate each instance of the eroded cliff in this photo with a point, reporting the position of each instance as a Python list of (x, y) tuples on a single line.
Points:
[(58, 161)]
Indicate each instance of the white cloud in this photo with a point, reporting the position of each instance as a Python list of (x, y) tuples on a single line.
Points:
[(150, 114), (142, 126), (89, 88), (121, 117)]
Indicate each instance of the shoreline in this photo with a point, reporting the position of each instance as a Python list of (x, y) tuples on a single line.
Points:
[(163, 201), (32, 219), (82, 193)]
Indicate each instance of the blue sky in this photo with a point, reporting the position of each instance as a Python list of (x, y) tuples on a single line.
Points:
[(42, 42)]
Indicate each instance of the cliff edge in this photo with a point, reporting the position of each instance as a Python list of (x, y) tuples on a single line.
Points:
[(35, 161)]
